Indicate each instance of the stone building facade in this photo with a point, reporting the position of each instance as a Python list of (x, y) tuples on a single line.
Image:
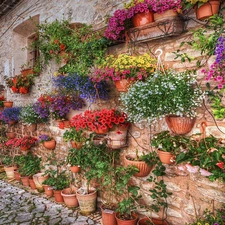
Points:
[(191, 193)]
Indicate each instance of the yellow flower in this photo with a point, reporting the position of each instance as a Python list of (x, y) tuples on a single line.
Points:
[(206, 223), (199, 223), (56, 73)]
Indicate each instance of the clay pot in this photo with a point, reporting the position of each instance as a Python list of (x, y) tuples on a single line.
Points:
[(180, 125), (26, 72), (156, 221), (108, 216), (23, 90), (123, 85), (101, 131), (166, 157), (76, 145), (25, 181), (24, 148), (9, 171), (127, 222), (208, 9), (117, 138), (75, 169), (58, 196), (166, 15), (143, 167), (32, 184), (50, 144), (69, 197), (17, 175), (87, 202), (141, 19), (10, 135), (32, 127), (48, 190), (39, 178), (8, 104)]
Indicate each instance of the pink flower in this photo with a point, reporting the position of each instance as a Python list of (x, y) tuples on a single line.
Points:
[(192, 169), (205, 173), (219, 78)]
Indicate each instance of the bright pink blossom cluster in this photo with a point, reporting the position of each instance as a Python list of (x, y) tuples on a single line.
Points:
[(107, 74), (103, 119)]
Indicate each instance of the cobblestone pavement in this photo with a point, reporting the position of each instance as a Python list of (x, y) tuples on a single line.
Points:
[(19, 207)]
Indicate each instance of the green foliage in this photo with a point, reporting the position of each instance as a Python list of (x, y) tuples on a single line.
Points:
[(79, 47), (167, 142), (74, 135), (7, 160), (159, 193), (28, 115), (29, 165)]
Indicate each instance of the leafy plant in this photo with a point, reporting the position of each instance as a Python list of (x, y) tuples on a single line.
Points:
[(129, 193), (28, 115), (166, 142), (30, 165), (169, 93), (74, 135), (7, 160)]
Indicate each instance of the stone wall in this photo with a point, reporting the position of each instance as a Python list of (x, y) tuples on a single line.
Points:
[(191, 193)]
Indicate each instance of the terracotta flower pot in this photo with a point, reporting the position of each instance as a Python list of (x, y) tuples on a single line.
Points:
[(58, 196), (127, 222), (76, 145), (141, 19), (180, 125), (108, 216), (39, 178), (87, 202), (208, 9), (165, 15), (101, 131), (26, 72), (25, 181), (117, 137), (123, 85), (69, 197), (166, 157), (146, 221), (10, 135), (17, 175), (75, 169), (23, 90), (8, 104), (32, 127), (32, 184), (143, 167), (50, 144), (48, 190), (9, 171), (25, 148)]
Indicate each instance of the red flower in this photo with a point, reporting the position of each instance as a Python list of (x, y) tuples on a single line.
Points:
[(220, 165), (62, 47), (56, 41)]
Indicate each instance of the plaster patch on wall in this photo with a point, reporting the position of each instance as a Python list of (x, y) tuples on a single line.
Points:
[(6, 68)]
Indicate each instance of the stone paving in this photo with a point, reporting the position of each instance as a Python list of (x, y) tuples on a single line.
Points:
[(19, 207)]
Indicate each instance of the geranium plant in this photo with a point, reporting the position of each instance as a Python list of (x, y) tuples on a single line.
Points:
[(11, 114), (124, 66), (26, 141), (103, 119), (169, 93)]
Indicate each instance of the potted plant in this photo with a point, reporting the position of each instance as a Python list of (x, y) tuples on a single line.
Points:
[(168, 146), (29, 117), (69, 196), (125, 210), (47, 141), (143, 163), (26, 69), (57, 178), (174, 95), (25, 142), (11, 115), (124, 69), (88, 89), (203, 8), (8, 166), (75, 137), (206, 156), (29, 166), (74, 160)]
